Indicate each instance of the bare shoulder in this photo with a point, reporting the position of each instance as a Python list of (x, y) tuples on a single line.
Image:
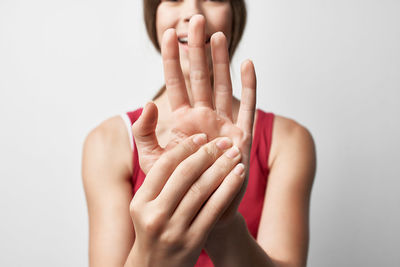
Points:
[(106, 173), (292, 142), (284, 229), (108, 146)]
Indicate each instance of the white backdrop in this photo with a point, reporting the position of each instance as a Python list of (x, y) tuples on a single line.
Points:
[(333, 66)]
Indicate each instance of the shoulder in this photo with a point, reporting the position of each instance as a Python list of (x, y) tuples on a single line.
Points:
[(292, 142), (283, 229), (288, 130), (108, 191), (109, 135), (108, 146)]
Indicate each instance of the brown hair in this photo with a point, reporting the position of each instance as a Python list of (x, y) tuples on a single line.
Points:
[(239, 16)]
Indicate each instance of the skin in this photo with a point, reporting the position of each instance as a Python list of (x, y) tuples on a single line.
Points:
[(283, 232), (176, 14), (181, 200)]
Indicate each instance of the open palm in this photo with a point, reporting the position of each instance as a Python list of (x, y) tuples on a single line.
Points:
[(210, 111)]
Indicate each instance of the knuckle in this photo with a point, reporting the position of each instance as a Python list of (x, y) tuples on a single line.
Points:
[(224, 165), (245, 138), (211, 151), (172, 81), (194, 238), (150, 218), (223, 89), (172, 239), (196, 189), (219, 171), (164, 162), (198, 75), (215, 210), (185, 170), (132, 208), (135, 206), (188, 146), (151, 224), (150, 227)]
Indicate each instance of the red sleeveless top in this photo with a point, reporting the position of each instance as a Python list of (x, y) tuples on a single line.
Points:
[(252, 202)]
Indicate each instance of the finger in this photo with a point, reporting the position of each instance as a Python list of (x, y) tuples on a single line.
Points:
[(218, 202), (189, 171), (222, 76), (145, 137), (174, 80), (201, 190), (199, 73), (248, 99), (167, 163)]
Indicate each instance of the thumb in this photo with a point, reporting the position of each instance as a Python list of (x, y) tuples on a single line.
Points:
[(145, 136)]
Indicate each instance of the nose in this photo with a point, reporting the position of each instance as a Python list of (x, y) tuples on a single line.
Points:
[(191, 8)]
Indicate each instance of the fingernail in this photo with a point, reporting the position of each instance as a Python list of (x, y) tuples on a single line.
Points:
[(239, 169), (200, 139), (224, 143), (233, 152)]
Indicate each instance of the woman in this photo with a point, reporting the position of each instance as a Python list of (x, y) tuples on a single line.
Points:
[(203, 201)]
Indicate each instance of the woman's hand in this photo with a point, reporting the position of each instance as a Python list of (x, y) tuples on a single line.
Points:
[(208, 113), (183, 196)]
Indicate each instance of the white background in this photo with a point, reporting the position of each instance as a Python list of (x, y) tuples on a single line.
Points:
[(334, 66)]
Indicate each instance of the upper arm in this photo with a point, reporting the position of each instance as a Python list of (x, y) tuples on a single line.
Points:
[(284, 226), (106, 172)]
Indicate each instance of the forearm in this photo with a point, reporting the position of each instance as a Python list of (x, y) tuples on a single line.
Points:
[(236, 247), (137, 258), (132, 260)]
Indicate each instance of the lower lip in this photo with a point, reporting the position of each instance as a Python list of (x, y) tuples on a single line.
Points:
[(183, 46)]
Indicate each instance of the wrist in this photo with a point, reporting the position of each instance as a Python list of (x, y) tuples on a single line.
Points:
[(224, 241), (135, 258), (225, 226)]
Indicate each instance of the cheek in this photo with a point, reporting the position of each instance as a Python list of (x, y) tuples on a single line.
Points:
[(221, 20), (159, 28), (159, 32), (164, 21)]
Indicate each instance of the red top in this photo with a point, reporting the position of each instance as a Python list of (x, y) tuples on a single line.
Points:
[(253, 199)]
